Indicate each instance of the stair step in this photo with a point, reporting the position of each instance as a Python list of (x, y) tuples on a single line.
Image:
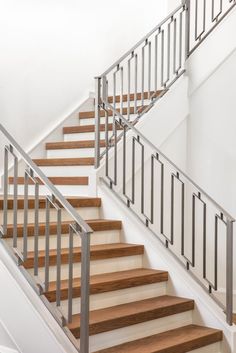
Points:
[(97, 252), (91, 114), (55, 180), (63, 162), (87, 128), (73, 144), (180, 340), (132, 96), (109, 282), (119, 316), (74, 201), (95, 224)]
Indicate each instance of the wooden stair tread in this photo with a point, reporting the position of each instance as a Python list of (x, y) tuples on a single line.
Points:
[(44, 162), (108, 282), (123, 315), (95, 224), (73, 144), (180, 340), (97, 252), (132, 96), (91, 114), (87, 128), (81, 180), (73, 200)]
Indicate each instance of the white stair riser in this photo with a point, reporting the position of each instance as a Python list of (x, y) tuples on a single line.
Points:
[(122, 296), (68, 171), (68, 190), (84, 212), (96, 267), (103, 237), (82, 136), (130, 333), (72, 153), (91, 121)]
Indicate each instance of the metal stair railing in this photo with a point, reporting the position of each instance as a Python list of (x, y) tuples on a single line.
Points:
[(77, 227), (151, 185)]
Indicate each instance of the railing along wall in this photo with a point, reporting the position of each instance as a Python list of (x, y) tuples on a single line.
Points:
[(197, 231), (17, 244)]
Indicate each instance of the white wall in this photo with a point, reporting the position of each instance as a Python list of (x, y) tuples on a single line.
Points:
[(212, 124), (52, 49)]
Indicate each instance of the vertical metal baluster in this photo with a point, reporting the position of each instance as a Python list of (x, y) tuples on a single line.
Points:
[(36, 229), (143, 73), (70, 276), (229, 272), (187, 28), (128, 96), (58, 290), (25, 229), (196, 20), (149, 68), (162, 200), (85, 292), (107, 142), (97, 120), (121, 89), (156, 61), (47, 243), (175, 48), (124, 160), (180, 39), (135, 83), (15, 206), (162, 58), (5, 200), (168, 50)]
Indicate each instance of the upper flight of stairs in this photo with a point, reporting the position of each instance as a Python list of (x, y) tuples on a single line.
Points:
[(131, 309)]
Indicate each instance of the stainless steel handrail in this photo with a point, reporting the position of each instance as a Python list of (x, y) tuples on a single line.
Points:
[(76, 226)]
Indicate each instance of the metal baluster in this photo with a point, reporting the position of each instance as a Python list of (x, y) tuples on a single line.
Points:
[(36, 229), (15, 205), (149, 68), (25, 229), (187, 28), (97, 120), (70, 276), (47, 243), (121, 88), (156, 61), (135, 82), (85, 292), (229, 272), (5, 200), (58, 290), (128, 95)]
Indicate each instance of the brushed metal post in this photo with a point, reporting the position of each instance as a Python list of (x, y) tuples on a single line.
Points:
[(97, 120)]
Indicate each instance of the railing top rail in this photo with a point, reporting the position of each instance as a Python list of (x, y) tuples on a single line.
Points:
[(84, 226), (153, 147), (141, 41)]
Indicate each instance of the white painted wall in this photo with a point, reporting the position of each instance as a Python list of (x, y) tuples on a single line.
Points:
[(211, 129), (51, 50)]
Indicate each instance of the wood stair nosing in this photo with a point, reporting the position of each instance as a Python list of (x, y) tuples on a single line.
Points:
[(146, 95), (64, 162), (97, 252), (133, 313), (73, 144), (110, 282), (91, 114), (77, 129), (81, 180), (180, 340), (95, 224), (74, 201)]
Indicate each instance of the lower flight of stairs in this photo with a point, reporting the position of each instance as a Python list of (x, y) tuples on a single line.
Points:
[(131, 309)]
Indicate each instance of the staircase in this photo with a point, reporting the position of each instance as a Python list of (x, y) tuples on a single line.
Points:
[(79, 260)]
